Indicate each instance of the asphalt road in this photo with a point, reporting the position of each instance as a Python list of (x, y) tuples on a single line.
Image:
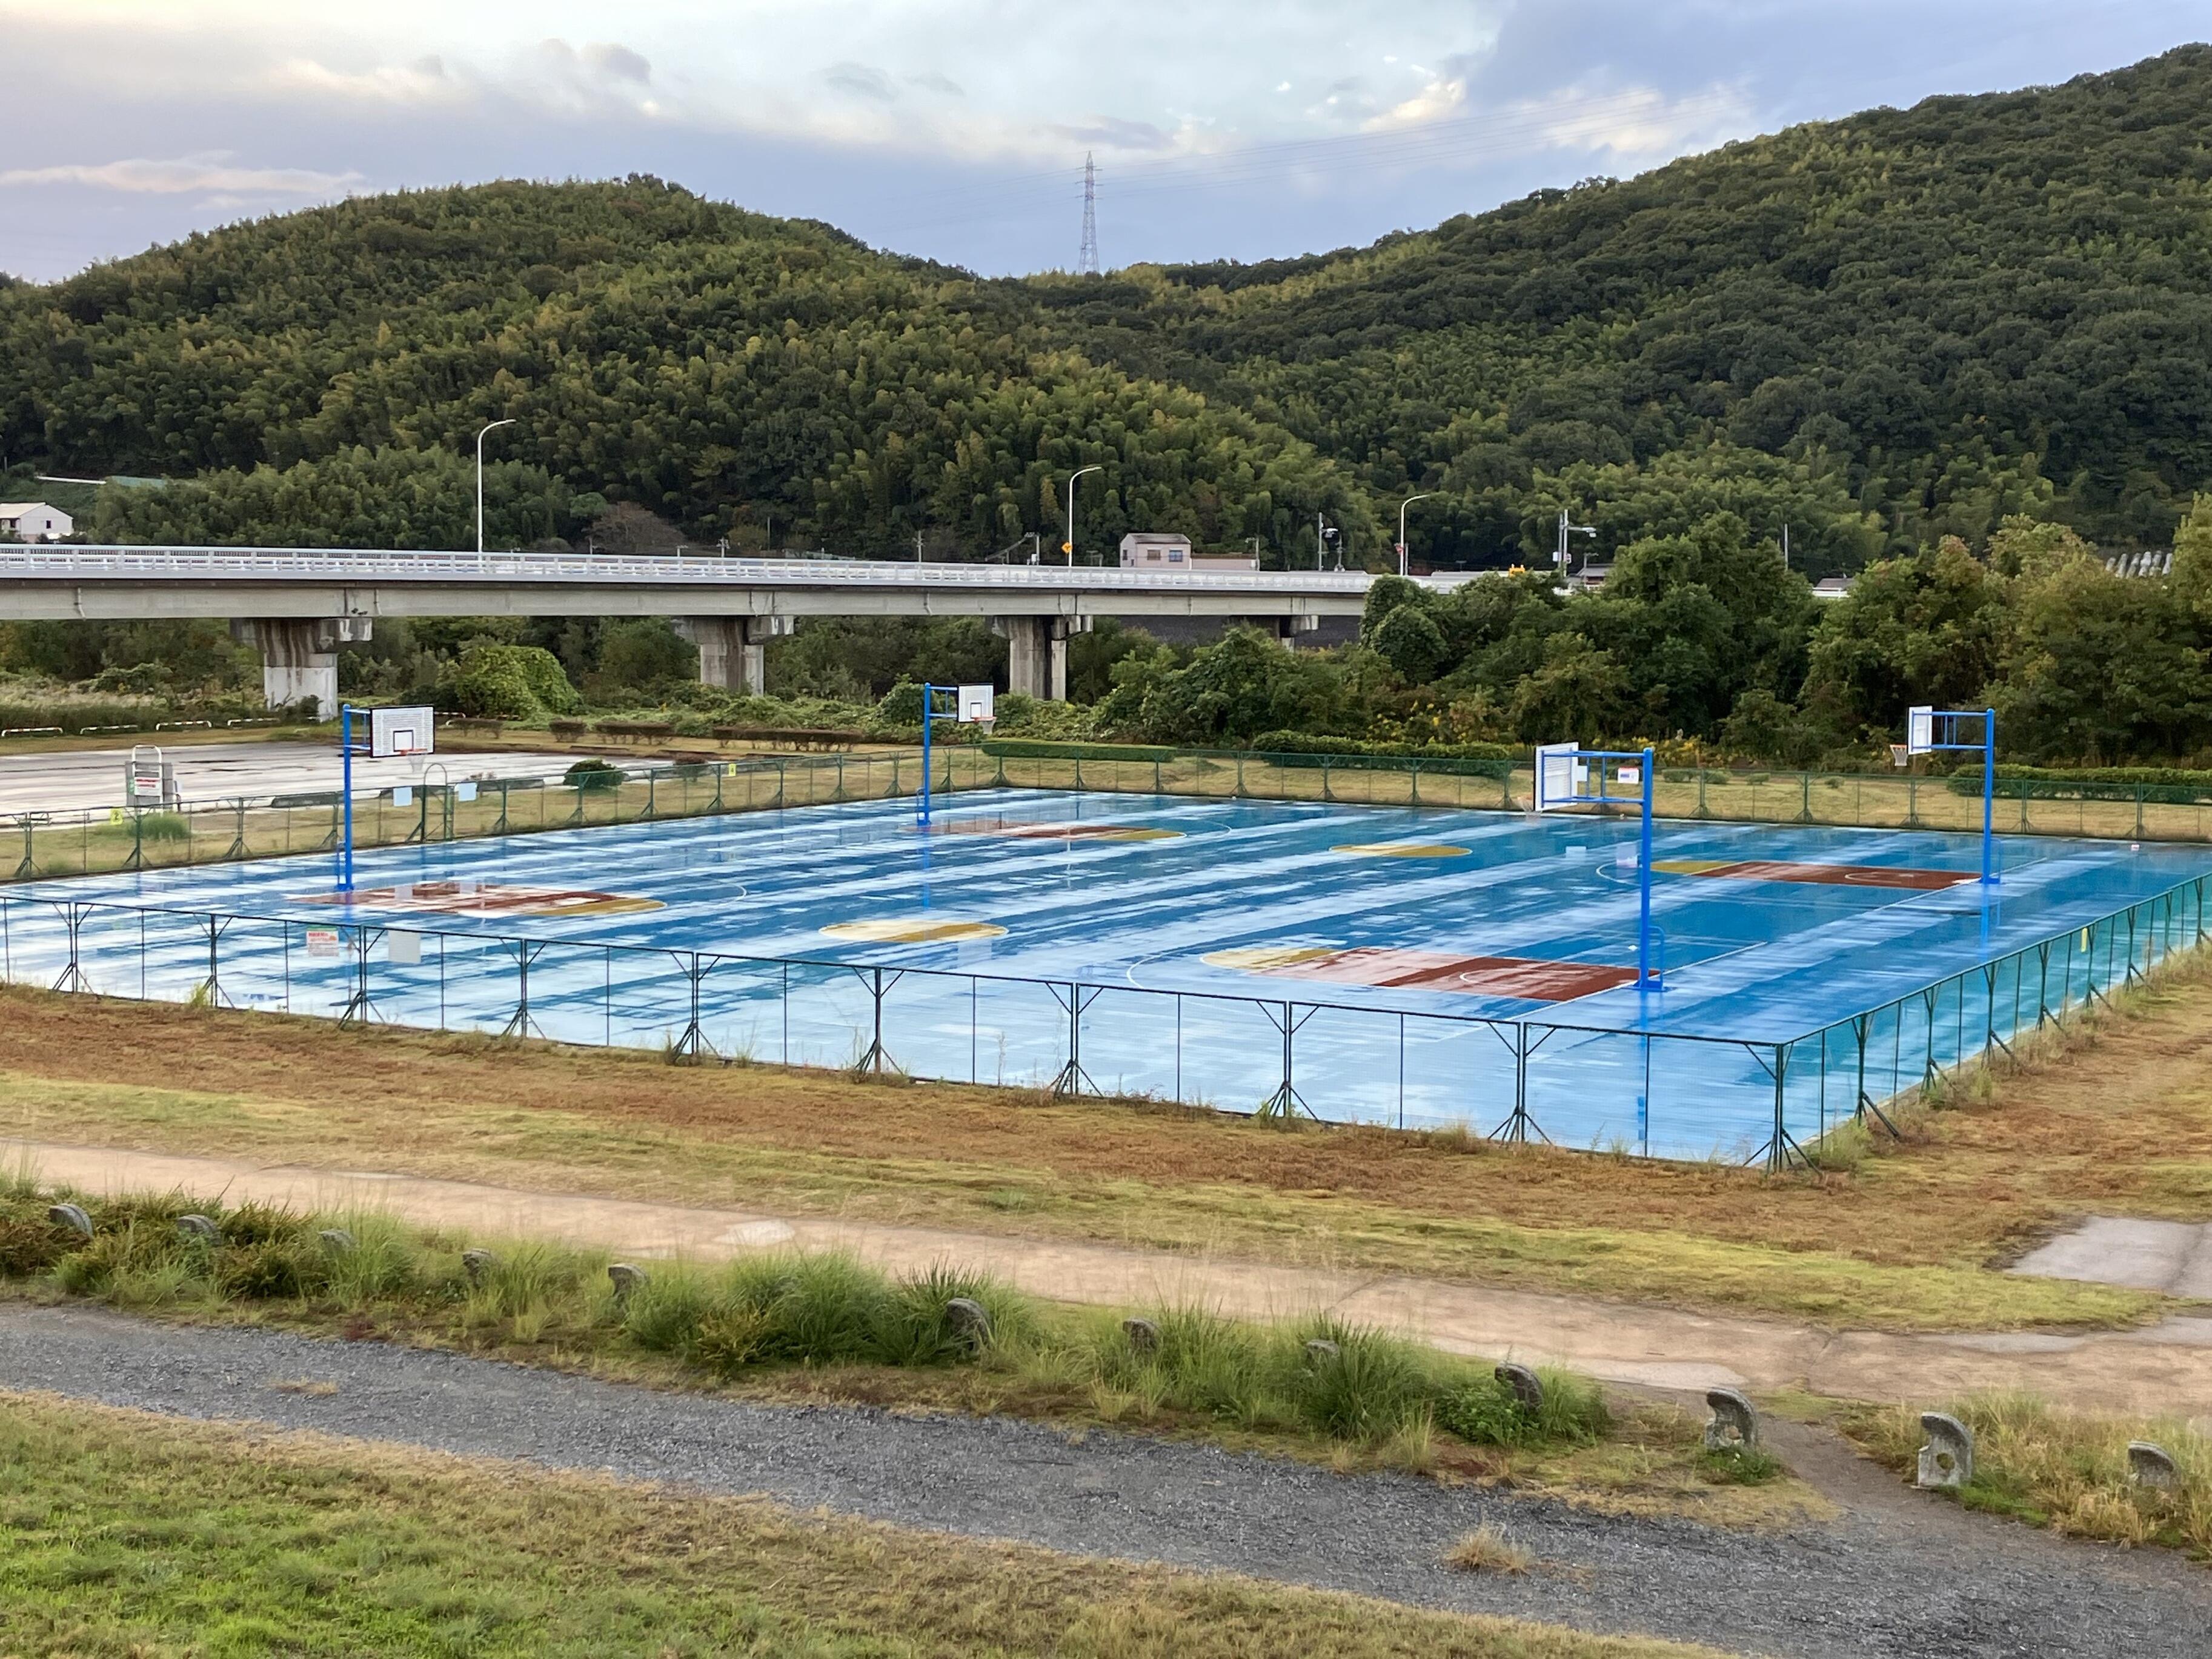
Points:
[(79, 780), (1900, 1576)]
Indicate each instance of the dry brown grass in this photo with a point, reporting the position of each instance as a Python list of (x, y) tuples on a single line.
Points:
[(2117, 1117), (1488, 1550)]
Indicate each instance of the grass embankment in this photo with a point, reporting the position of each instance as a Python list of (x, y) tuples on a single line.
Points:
[(132, 1535), (2059, 1469), (2116, 1119), (824, 1327)]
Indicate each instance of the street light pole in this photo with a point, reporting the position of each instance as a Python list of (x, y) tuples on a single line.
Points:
[(1569, 527), (1402, 506), (493, 427), (1069, 548)]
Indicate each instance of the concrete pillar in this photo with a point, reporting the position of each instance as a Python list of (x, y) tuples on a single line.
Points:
[(300, 656), (1037, 653), (733, 650), (1288, 628)]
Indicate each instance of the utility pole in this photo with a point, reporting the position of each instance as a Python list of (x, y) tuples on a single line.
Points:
[(1785, 547), (1086, 258), (493, 427), (1402, 506), (1068, 546), (917, 547)]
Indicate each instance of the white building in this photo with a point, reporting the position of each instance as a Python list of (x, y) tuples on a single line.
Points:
[(1155, 547), (1159, 549), (34, 521)]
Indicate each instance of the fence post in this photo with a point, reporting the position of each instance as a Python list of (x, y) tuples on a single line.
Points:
[(1805, 798), (1778, 1157)]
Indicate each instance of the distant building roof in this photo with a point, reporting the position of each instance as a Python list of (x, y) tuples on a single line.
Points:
[(2150, 562)]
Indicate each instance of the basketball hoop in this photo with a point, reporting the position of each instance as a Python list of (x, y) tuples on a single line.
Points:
[(1900, 755)]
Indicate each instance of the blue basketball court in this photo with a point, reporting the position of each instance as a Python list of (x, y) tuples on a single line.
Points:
[(1413, 966)]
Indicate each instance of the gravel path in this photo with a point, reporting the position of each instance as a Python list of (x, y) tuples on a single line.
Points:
[(1875, 1583)]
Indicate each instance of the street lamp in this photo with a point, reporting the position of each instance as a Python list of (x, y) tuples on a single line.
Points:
[(1402, 506), (493, 427), (1569, 527), (1068, 547)]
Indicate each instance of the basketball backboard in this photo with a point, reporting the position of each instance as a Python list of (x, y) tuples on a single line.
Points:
[(1561, 775), (975, 704), (401, 731), (1920, 731)]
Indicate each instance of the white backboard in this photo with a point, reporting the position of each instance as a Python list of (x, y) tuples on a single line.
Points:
[(1559, 776), (976, 704), (401, 731), (1919, 730)]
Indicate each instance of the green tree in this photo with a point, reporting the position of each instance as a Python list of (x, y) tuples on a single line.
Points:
[(1927, 629)]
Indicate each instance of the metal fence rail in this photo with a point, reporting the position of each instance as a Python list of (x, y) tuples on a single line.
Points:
[(1641, 1091), (40, 844), (196, 833)]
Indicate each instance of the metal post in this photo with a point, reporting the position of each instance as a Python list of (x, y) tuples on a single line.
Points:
[(1989, 795), (928, 720), (1645, 979), (345, 789)]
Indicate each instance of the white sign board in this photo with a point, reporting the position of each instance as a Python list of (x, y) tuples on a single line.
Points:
[(400, 731), (976, 704), (1919, 730)]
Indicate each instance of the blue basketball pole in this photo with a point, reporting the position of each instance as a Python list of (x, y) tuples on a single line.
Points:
[(345, 790), (1645, 979), (929, 719), (1989, 796), (1942, 727)]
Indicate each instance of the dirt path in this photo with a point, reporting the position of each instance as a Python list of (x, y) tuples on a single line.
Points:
[(2148, 1372), (1908, 1578)]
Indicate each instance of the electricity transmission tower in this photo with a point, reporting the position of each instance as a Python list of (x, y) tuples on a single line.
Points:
[(1087, 261)]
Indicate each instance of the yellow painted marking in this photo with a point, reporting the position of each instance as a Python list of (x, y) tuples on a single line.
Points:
[(913, 930), (1265, 958), (1691, 867), (1402, 849)]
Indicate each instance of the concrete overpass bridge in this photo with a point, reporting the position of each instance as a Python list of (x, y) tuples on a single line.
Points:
[(299, 606)]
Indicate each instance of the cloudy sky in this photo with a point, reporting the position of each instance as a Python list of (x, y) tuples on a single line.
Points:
[(1220, 127)]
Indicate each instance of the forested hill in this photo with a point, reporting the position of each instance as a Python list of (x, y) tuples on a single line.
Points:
[(1877, 331)]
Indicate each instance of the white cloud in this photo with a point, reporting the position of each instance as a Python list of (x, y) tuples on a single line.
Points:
[(421, 81), (188, 176)]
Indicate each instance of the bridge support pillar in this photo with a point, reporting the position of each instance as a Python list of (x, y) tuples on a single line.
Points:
[(1037, 653), (733, 650), (300, 657), (1288, 629)]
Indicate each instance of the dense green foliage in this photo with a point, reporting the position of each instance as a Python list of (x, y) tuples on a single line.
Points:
[(1877, 331), (1963, 349)]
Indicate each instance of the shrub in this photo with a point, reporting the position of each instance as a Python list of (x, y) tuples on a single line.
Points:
[(509, 682), (593, 775)]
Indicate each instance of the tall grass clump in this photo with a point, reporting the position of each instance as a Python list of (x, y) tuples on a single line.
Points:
[(1318, 1378), (2051, 1466), (814, 1310)]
